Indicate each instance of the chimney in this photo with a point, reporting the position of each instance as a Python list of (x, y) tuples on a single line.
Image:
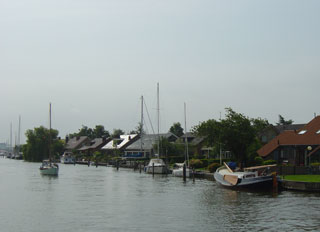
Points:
[(67, 139)]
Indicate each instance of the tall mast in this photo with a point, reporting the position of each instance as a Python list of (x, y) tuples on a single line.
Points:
[(19, 132), (158, 119), (50, 132), (141, 125), (186, 138), (11, 137)]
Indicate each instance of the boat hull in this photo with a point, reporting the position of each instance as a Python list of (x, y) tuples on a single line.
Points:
[(260, 182), (157, 170), (54, 171), (179, 172)]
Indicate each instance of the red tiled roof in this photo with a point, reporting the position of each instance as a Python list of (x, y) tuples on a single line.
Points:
[(310, 137)]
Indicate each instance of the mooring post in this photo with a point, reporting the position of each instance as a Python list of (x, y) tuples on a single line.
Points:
[(274, 182), (152, 169), (140, 167), (117, 165), (184, 172), (193, 178)]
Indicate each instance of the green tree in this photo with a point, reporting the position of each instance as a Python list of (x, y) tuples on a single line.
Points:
[(237, 134), (117, 132), (209, 129), (99, 132), (259, 124), (176, 129), (37, 146), (284, 122), (139, 129)]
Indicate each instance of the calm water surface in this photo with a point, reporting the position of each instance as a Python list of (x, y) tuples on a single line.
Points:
[(102, 199)]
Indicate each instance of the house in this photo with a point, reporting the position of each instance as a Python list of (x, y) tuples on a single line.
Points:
[(144, 146), (116, 146), (295, 147), (95, 145), (76, 142), (272, 131), (196, 144)]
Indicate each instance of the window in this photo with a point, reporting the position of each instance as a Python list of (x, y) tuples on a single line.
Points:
[(302, 132)]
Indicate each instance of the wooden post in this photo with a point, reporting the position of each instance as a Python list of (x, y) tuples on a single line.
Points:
[(274, 182), (117, 165), (193, 175), (152, 169), (184, 172)]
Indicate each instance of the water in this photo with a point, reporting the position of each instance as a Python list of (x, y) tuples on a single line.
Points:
[(102, 199)]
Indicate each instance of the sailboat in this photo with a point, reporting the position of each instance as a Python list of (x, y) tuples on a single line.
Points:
[(48, 167), (157, 165), (179, 171)]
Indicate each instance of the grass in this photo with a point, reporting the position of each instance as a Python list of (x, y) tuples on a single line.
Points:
[(304, 178)]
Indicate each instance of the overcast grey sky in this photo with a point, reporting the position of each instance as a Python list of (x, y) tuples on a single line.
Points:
[(93, 59)]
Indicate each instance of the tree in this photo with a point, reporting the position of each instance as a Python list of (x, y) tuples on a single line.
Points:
[(284, 122), (37, 146), (209, 129), (237, 134), (139, 130), (117, 132), (99, 132), (176, 129), (259, 124)]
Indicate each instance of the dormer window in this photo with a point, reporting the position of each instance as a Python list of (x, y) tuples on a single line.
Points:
[(302, 132)]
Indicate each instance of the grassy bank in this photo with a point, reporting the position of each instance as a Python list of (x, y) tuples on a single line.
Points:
[(304, 178)]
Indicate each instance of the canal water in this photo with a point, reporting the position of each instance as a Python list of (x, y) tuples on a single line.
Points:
[(94, 199)]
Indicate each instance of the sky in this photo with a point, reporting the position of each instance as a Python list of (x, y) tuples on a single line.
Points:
[(94, 59)]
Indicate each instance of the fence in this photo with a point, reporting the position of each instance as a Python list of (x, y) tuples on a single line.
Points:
[(296, 170)]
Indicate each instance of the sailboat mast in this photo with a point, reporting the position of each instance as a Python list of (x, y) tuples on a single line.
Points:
[(50, 132), (141, 125), (158, 119), (186, 137)]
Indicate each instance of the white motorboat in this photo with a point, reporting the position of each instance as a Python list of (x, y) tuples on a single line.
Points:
[(156, 166), (250, 177), (67, 158), (178, 171)]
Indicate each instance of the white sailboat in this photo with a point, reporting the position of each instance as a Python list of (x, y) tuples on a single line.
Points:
[(157, 165), (179, 171), (48, 167)]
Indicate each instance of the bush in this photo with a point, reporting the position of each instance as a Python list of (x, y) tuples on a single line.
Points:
[(196, 163), (268, 162), (258, 160), (315, 164), (213, 167)]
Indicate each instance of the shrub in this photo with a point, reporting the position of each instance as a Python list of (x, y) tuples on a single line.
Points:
[(196, 163), (268, 162), (213, 167), (258, 160), (315, 164)]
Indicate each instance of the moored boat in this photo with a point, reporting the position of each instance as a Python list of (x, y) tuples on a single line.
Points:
[(67, 158), (251, 177), (156, 166)]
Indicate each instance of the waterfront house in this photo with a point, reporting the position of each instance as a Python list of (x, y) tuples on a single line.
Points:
[(295, 147), (273, 131), (196, 144), (116, 146), (144, 147), (76, 142), (95, 145)]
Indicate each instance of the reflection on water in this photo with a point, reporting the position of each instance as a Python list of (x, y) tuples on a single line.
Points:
[(85, 198)]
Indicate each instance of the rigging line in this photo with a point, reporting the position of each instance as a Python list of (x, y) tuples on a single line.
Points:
[(148, 115)]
